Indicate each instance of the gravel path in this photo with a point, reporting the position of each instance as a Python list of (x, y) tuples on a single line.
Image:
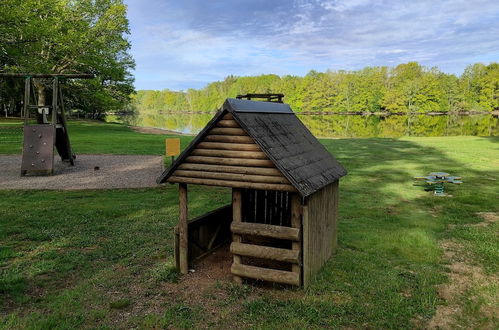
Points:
[(115, 171)]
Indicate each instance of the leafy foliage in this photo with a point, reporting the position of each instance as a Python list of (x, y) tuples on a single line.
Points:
[(65, 36), (405, 88)]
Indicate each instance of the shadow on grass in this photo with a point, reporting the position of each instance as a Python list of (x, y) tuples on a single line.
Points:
[(75, 252), (389, 261)]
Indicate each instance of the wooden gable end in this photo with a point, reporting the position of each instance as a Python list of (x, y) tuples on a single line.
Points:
[(227, 156)]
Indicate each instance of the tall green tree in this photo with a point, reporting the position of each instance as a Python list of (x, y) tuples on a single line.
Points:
[(480, 86), (67, 36)]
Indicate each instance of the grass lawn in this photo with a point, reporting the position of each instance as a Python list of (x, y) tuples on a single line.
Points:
[(104, 258), (91, 137)]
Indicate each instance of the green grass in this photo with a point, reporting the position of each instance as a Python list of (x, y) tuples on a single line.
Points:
[(104, 258), (90, 137)]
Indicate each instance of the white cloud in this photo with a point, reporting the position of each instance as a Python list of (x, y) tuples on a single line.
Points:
[(194, 41)]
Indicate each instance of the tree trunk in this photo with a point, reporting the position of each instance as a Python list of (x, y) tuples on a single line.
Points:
[(41, 100), (40, 91)]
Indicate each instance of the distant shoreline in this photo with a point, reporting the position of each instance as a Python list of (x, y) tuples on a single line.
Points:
[(157, 131), (333, 113)]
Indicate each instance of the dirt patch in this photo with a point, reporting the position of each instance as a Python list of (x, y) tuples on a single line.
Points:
[(114, 171), (209, 287), (209, 284), (488, 217), (462, 277), (156, 131), (205, 274)]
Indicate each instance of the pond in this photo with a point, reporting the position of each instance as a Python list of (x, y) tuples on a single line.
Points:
[(346, 125)]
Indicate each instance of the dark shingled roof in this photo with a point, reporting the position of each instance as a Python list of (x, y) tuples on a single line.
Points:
[(302, 159)]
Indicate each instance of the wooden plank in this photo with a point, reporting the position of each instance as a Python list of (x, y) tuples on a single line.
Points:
[(306, 248), (231, 123), (27, 91), (176, 244), (296, 223), (229, 161), (319, 230), (334, 215), (49, 75), (228, 116), (232, 184), (259, 229), (228, 131), (236, 218), (229, 153), (265, 252), (231, 169), (265, 274), (228, 138), (229, 146), (183, 234), (231, 176)]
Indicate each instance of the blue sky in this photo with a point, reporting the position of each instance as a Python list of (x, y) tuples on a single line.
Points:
[(188, 43)]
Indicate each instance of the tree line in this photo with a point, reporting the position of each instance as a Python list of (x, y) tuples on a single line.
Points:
[(406, 88), (66, 36)]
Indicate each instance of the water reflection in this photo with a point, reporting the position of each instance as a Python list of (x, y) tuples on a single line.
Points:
[(347, 125)]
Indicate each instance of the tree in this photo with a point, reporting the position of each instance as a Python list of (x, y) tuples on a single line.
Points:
[(480, 86), (66, 36)]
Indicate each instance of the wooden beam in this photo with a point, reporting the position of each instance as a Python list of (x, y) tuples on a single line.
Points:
[(237, 218), (228, 116), (258, 229), (228, 138), (265, 252), (231, 169), (228, 131), (265, 274), (183, 229), (229, 146), (296, 223), (43, 75), (229, 153), (230, 161), (228, 123), (231, 176), (27, 92), (306, 253), (232, 184)]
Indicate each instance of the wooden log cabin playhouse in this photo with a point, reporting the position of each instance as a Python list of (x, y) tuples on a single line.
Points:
[(282, 223)]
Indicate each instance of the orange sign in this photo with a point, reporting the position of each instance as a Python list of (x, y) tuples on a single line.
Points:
[(172, 147)]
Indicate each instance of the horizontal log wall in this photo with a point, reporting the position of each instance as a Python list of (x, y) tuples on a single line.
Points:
[(231, 169), (232, 176), (258, 229), (208, 231), (233, 184), (268, 245), (228, 157), (265, 274), (319, 230), (265, 252)]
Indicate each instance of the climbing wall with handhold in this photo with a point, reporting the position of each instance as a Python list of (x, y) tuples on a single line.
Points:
[(38, 149)]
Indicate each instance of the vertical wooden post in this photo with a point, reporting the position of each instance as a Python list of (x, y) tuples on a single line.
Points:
[(335, 192), (296, 223), (27, 91), (182, 228), (55, 95), (306, 262), (237, 217)]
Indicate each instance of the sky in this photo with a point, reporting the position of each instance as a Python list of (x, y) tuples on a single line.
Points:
[(181, 44)]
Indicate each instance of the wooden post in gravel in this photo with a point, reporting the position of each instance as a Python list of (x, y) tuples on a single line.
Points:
[(182, 228), (236, 218)]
